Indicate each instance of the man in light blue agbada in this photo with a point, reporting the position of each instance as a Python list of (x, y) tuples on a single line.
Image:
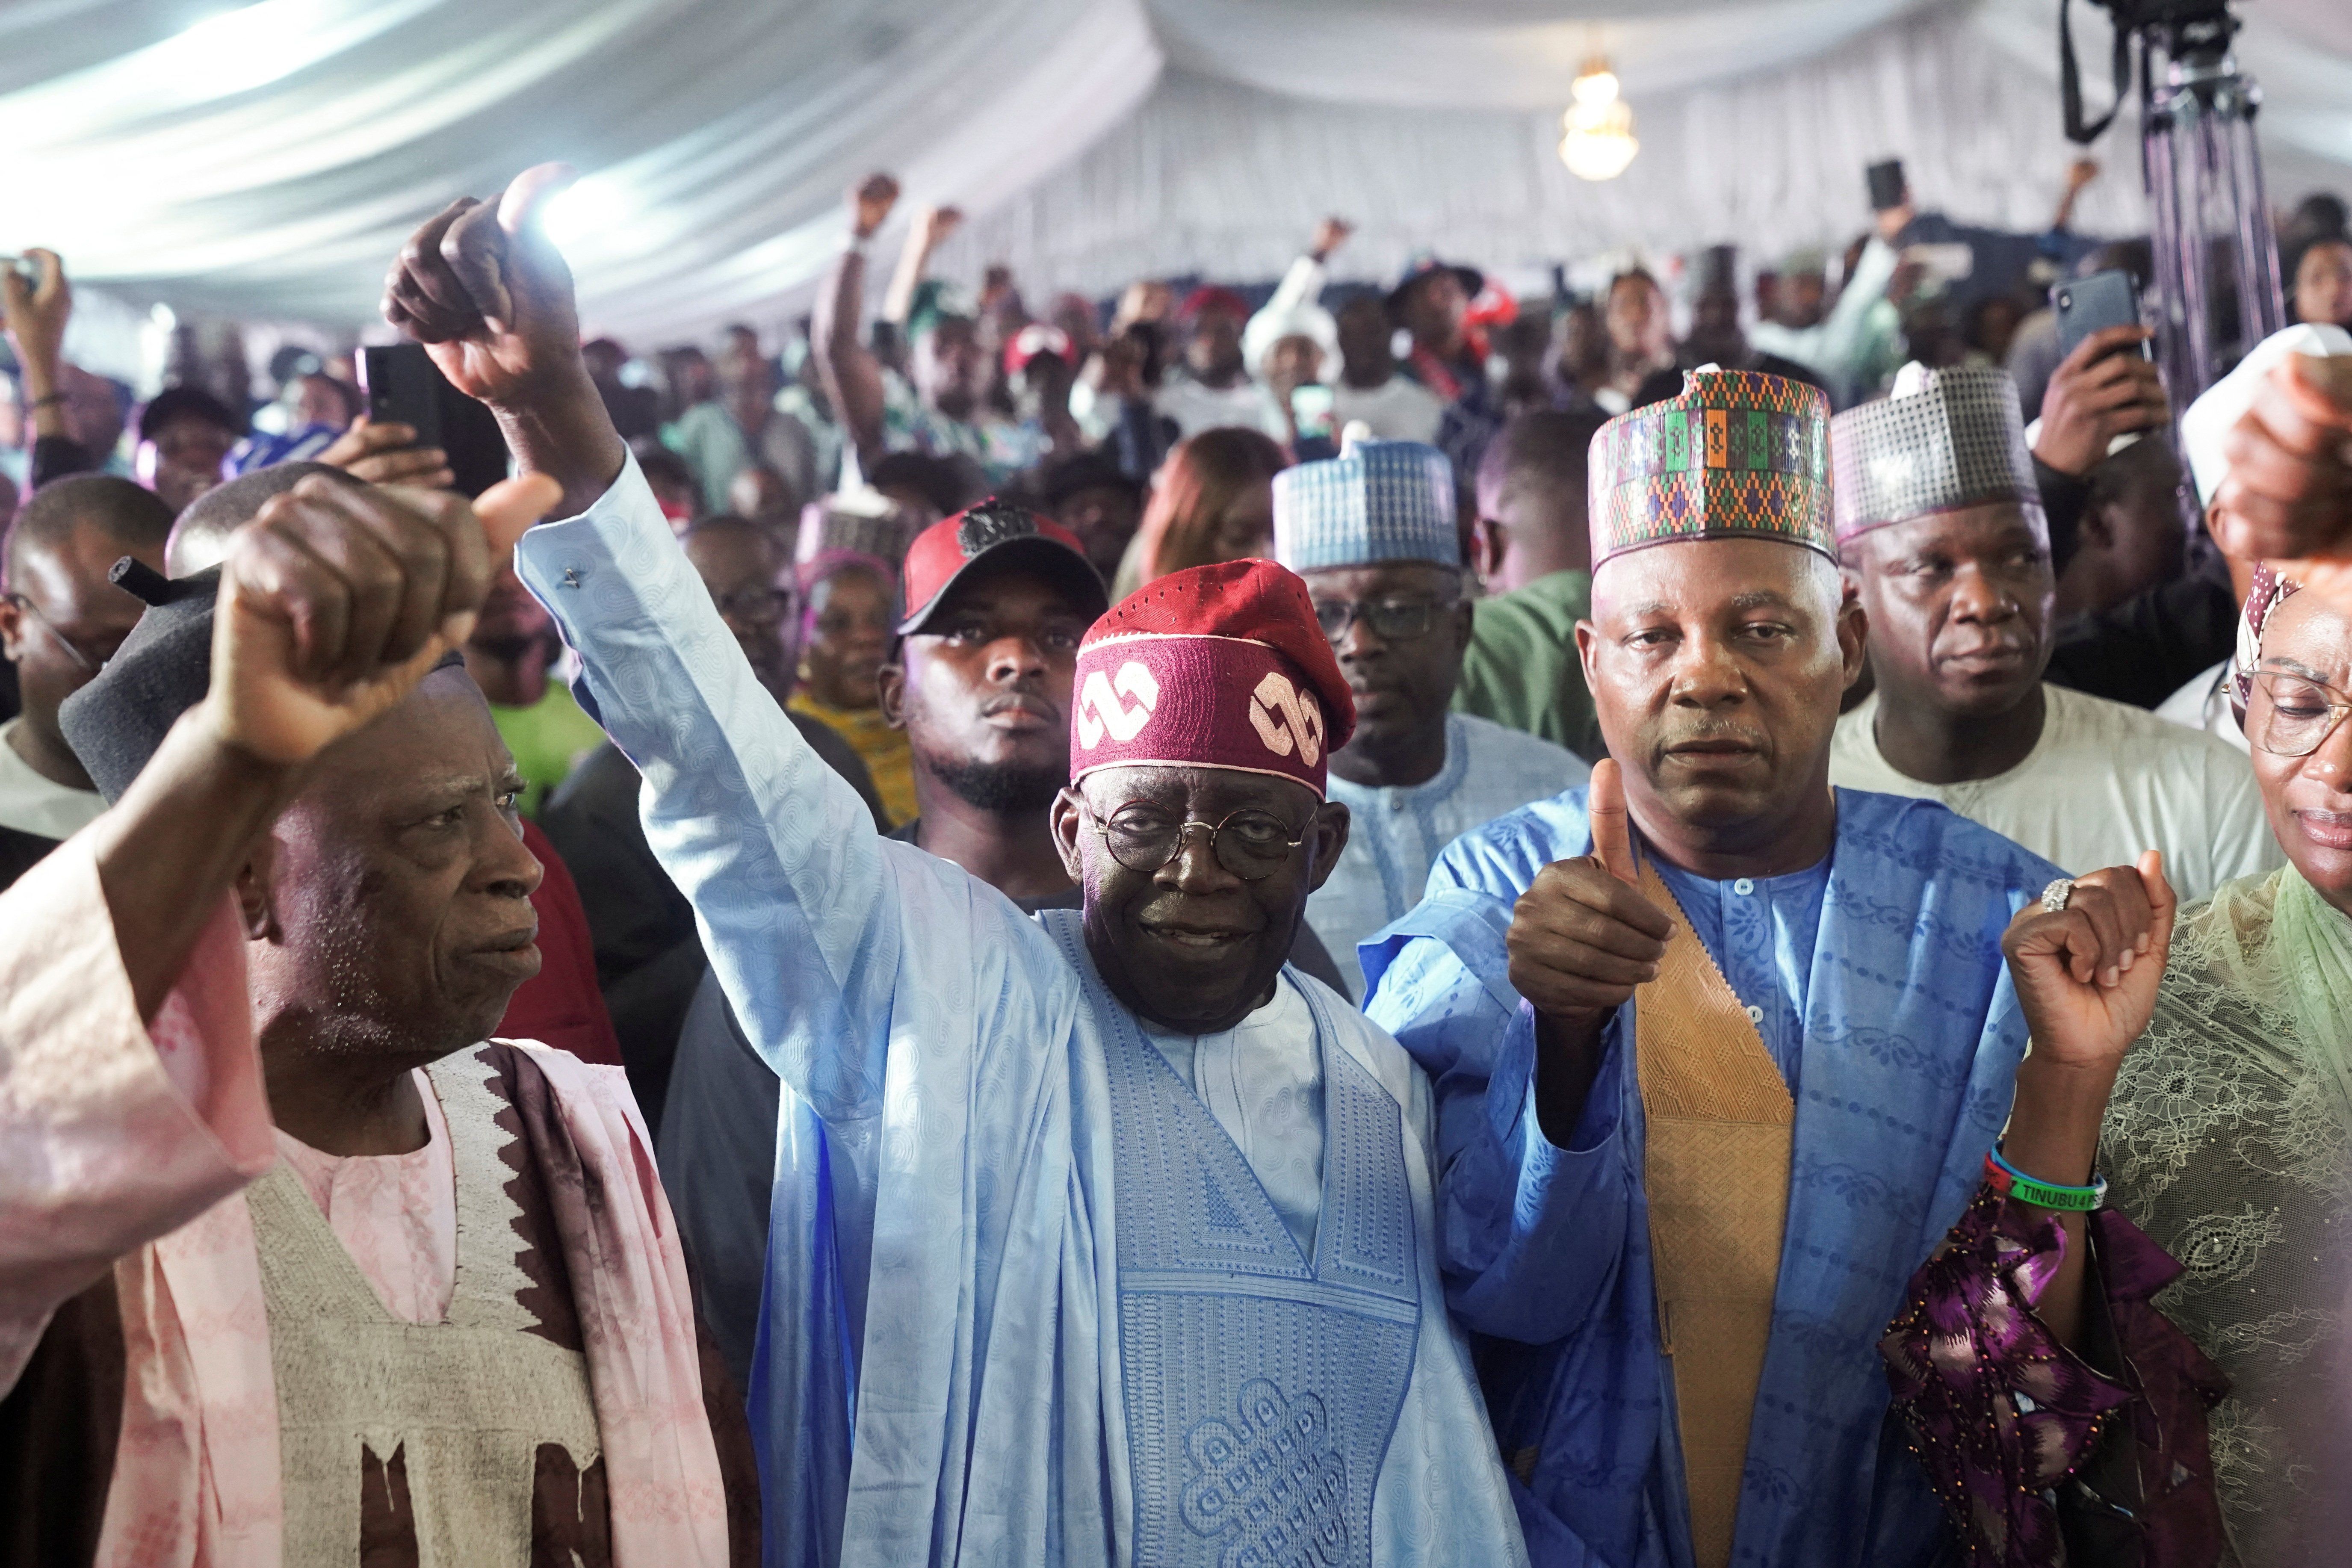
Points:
[(1112, 1238), (1372, 533), (1719, 1052)]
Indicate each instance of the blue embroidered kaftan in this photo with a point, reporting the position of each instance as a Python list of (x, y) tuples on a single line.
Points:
[(1901, 1074), (984, 1342)]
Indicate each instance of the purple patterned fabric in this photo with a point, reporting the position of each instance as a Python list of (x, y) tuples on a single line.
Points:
[(2001, 1412)]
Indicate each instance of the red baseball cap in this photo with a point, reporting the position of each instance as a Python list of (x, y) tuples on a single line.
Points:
[(1003, 535)]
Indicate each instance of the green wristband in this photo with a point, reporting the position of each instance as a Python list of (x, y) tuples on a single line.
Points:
[(2010, 1182)]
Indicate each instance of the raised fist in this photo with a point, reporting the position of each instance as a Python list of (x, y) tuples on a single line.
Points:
[(2289, 494), (870, 201), (487, 293), (338, 598), (2087, 973), (35, 310)]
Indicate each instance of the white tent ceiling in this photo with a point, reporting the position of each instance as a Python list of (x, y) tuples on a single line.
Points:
[(268, 160)]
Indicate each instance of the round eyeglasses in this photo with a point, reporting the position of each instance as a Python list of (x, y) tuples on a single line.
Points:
[(2296, 716), (1250, 843), (1391, 620)]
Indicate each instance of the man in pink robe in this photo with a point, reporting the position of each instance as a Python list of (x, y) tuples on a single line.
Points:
[(437, 1311)]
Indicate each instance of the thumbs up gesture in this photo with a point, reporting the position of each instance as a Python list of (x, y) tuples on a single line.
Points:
[(488, 294), (1582, 937)]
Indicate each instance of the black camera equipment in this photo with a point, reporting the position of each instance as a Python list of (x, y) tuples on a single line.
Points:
[(2217, 271)]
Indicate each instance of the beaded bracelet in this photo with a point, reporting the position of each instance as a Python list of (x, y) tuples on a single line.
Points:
[(2010, 1181)]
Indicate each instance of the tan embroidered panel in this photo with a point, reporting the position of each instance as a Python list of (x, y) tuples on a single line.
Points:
[(468, 1403), (1719, 1119)]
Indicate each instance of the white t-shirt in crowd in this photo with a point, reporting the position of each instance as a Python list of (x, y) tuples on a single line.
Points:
[(34, 804), (1399, 410), (1195, 407), (2104, 781)]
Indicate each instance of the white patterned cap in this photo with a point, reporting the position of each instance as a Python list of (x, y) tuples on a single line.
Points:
[(1377, 501), (1947, 439)]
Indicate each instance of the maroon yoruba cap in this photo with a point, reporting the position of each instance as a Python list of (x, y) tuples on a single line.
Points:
[(1218, 667), (1003, 535)]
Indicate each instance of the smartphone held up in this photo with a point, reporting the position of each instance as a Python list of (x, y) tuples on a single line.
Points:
[(404, 386)]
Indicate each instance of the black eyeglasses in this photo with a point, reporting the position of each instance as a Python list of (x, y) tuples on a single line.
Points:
[(1391, 620), (1251, 844), (2298, 717), (72, 649)]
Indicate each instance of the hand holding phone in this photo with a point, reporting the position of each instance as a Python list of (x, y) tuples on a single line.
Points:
[(2106, 388), (405, 387)]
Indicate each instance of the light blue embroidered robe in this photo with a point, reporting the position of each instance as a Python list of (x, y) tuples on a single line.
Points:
[(1910, 1039), (943, 1376)]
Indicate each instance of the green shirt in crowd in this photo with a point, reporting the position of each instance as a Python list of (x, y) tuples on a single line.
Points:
[(1521, 668), (546, 739)]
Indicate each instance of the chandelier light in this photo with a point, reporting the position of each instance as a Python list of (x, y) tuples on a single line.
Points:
[(1600, 142)]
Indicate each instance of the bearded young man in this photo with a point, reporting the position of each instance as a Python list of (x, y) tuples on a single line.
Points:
[(437, 1311), (1128, 1251), (1718, 1051)]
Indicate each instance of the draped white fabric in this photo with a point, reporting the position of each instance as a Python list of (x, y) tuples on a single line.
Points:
[(266, 162)]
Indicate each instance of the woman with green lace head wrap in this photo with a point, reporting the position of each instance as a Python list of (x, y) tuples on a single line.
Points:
[(2229, 1137)]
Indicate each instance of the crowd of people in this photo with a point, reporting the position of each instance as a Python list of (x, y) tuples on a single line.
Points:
[(1325, 925)]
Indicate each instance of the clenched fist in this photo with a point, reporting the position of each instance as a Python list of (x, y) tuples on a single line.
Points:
[(2086, 975), (338, 598)]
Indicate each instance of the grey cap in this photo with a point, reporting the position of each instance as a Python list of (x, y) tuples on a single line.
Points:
[(1947, 439)]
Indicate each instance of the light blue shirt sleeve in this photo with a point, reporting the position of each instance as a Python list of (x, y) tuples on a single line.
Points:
[(777, 854), (1531, 1233)]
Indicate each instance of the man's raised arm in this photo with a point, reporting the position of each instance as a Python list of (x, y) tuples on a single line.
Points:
[(777, 854)]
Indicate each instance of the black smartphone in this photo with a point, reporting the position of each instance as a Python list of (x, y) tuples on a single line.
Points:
[(1887, 187), (2087, 305), (405, 386)]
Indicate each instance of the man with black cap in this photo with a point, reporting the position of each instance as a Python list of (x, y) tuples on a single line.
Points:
[(1125, 1249), (1448, 354), (449, 1315), (60, 619)]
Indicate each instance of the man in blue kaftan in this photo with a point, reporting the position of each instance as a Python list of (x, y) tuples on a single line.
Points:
[(1681, 1258), (1110, 1238)]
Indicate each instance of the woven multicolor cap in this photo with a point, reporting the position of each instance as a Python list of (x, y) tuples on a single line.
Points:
[(1944, 440), (1736, 454), (1377, 501)]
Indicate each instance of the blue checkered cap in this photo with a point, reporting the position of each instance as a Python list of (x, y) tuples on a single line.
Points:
[(1377, 501)]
